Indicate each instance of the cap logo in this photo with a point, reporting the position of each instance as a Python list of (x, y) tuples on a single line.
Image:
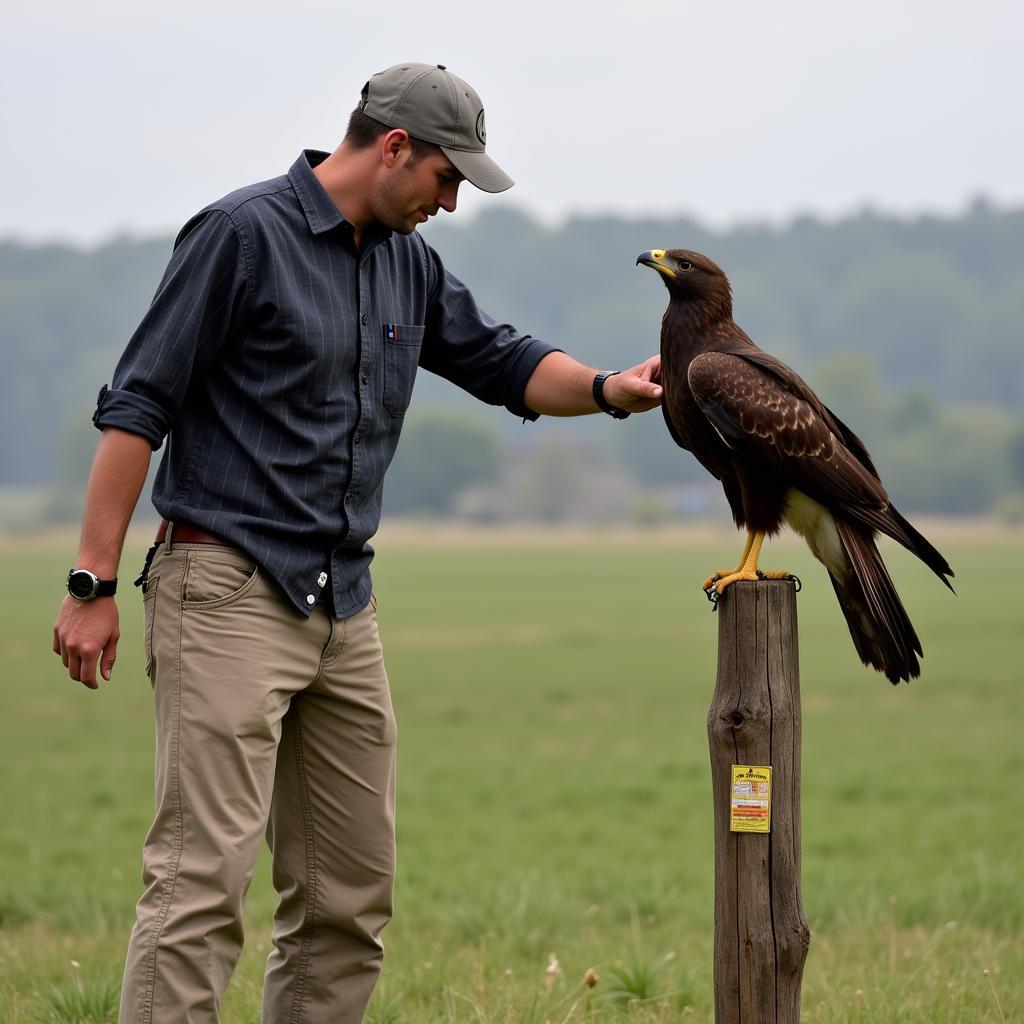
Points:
[(481, 131)]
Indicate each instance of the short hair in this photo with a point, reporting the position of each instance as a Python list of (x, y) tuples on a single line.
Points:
[(364, 131)]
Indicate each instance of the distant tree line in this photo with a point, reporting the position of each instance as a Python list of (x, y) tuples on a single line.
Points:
[(911, 329)]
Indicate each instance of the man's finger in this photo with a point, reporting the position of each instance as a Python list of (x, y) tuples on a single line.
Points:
[(107, 662), (642, 388), (88, 667), (74, 664), (649, 369), (56, 641)]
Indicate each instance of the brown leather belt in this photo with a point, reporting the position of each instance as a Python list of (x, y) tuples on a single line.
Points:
[(185, 534)]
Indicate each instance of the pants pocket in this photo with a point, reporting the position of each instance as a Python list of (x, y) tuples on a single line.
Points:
[(216, 578), (148, 615)]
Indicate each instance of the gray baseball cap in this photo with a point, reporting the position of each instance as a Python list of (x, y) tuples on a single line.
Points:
[(434, 105)]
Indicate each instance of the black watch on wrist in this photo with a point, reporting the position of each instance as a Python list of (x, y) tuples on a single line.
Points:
[(84, 585), (602, 404)]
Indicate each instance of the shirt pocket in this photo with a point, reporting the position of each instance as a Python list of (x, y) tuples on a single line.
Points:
[(401, 357)]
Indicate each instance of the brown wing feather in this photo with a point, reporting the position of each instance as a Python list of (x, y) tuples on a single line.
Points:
[(794, 383), (756, 413)]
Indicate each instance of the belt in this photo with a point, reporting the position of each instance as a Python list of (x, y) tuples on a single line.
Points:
[(185, 534)]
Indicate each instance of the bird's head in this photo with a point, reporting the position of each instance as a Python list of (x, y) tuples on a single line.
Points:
[(691, 278)]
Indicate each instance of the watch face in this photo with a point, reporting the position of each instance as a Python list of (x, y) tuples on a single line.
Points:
[(82, 584)]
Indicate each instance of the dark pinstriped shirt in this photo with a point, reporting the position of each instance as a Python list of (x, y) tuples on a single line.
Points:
[(278, 360)]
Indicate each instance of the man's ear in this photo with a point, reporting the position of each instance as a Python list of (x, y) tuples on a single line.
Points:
[(392, 145)]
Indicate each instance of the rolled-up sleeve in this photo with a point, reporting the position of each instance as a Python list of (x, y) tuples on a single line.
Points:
[(200, 302), (490, 360)]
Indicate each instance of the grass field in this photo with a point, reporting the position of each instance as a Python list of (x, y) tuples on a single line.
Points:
[(554, 798)]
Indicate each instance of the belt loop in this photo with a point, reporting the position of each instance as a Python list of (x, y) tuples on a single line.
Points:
[(168, 537)]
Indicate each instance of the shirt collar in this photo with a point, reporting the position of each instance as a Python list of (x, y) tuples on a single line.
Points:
[(321, 213), (319, 208)]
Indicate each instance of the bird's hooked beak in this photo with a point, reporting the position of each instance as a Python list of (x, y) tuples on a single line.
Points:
[(655, 258)]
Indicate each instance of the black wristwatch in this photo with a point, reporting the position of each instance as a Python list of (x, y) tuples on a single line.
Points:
[(602, 404), (84, 585)]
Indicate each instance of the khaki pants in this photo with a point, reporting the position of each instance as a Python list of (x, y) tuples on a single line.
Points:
[(265, 723)]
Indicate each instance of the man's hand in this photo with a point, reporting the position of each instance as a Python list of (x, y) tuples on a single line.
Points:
[(86, 633), (637, 389)]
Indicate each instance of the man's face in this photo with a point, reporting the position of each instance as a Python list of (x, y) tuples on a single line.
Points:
[(407, 195)]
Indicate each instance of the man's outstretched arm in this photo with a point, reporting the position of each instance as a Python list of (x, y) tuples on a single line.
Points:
[(561, 386), (86, 632)]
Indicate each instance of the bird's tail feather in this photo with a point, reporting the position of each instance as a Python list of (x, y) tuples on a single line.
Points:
[(924, 549), (879, 624), (892, 524)]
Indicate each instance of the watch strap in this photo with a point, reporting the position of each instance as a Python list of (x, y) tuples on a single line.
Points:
[(599, 399)]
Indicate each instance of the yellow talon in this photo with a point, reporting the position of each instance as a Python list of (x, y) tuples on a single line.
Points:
[(743, 574), (720, 573), (747, 570)]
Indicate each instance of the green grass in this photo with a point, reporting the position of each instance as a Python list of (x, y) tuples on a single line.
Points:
[(78, 1002), (554, 792)]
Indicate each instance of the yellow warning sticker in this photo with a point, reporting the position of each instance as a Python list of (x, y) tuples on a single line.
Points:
[(751, 807)]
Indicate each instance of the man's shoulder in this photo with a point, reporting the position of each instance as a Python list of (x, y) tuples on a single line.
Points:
[(250, 199), (246, 208)]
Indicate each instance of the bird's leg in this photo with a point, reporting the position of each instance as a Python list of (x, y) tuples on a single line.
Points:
[(719, 573), (748, 570)]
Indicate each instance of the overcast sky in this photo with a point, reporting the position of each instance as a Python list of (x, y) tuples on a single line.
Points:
[(131, 116)]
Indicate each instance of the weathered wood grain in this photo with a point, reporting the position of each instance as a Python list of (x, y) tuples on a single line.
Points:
[(761, 935)]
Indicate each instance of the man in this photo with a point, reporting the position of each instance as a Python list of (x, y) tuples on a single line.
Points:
[(278, 359)]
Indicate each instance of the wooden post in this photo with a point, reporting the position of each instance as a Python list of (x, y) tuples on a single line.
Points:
[(761, 934)]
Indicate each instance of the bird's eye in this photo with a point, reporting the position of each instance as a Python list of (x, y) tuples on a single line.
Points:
[(685, 265)]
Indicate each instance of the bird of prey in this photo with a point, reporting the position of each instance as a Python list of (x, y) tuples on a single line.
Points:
[(782, 456)]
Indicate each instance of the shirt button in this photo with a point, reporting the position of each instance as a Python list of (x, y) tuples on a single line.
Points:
[(322, 578), (357, 439), (366, 379), (310, 599), (364, 319)]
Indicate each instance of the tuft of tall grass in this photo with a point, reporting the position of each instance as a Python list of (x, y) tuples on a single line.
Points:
[(81, 1002), (386, 1008), (635, 980)]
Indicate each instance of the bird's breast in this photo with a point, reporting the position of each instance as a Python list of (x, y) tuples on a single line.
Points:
[(687, 417)]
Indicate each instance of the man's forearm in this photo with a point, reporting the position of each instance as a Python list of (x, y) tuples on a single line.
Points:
[(561, 386), (115, 482)]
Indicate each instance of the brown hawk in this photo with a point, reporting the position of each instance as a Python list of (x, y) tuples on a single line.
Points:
[(782, 456)]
